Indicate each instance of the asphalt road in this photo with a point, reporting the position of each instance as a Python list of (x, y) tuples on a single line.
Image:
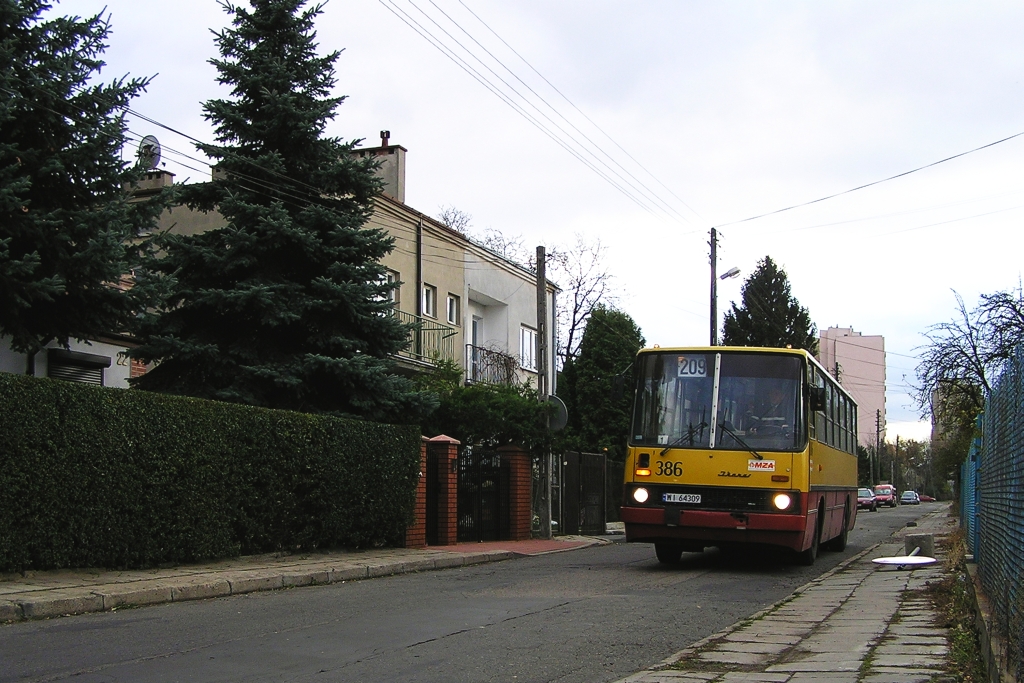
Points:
[(596, 614)]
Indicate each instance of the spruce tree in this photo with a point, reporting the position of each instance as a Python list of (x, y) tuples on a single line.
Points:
[(67, 227), (287, 305), (597, 418), (769, 315)]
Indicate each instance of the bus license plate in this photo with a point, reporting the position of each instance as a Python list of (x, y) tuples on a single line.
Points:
[(680, 497)]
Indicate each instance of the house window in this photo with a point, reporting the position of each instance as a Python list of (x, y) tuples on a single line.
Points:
[(453, 309), (528, 348), (430, 301), (391, 279), (75, 366), (394, 295)]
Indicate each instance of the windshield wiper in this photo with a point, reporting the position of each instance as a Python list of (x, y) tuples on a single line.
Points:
[(691, 431), (740, 441)]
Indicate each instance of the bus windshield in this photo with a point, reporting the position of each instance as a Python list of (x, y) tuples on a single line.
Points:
[(757, 405)]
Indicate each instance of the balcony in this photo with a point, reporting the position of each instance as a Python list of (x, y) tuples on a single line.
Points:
[(489, 367), (430, 341)]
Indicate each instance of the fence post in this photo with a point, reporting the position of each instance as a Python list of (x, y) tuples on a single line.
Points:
[(446, 451), (416, 533), (519, 490)]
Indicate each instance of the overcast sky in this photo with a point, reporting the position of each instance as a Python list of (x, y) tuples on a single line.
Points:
[(713, 112)]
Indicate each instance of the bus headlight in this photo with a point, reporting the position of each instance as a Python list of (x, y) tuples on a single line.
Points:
[(782, 500), (640, 495)]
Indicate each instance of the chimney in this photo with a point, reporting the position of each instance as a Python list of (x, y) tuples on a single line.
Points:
[(392, 165)]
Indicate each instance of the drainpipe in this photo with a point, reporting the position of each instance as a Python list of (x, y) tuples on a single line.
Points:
[(419, 289)]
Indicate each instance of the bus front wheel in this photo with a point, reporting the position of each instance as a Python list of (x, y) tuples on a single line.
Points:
[(807, 557), (668, 553), (838, 543)]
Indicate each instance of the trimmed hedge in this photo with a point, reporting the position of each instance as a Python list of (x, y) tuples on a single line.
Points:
[(99, 477)]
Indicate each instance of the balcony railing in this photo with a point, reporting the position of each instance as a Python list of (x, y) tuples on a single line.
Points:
[(430, 341), (490, 367)]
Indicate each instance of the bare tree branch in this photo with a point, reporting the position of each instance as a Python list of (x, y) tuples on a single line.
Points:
[(456, 219), (586, 282), (967, 353)]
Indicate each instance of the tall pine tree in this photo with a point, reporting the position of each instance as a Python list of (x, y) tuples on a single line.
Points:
[(67, 227), (286, 306), (769, 315), (598, 419)]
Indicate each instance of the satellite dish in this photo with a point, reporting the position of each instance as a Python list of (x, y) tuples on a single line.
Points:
[(560, 417), (149, 152)]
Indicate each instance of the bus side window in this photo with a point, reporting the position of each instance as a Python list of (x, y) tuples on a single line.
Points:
[(842, 423), (853, 426), (833, 416), (820, 416), (811, 427)]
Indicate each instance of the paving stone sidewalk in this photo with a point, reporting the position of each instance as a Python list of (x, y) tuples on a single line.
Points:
[(45, 594), (858, 623)]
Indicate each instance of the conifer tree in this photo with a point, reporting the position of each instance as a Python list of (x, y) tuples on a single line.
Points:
[(286, 306), (598, 419), (66, 223), (769, 315)]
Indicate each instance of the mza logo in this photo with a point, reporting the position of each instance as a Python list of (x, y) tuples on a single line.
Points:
[(761, 465)]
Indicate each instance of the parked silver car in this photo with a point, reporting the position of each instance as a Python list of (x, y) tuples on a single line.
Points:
[(910, 498)]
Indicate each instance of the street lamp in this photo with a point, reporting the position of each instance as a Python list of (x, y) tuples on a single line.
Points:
[(732, 272)]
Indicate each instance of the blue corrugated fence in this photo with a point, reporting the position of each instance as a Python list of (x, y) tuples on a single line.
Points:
[(993, 490)]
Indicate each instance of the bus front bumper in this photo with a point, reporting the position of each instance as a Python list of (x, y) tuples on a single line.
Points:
[(652, 524)]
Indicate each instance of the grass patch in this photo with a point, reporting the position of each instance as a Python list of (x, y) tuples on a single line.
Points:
[(956, 612)]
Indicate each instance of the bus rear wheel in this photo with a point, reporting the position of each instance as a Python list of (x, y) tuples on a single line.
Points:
[(668, 553)]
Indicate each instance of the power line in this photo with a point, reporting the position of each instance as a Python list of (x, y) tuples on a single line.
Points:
[(576, 149), (876, 182), (573, 105), (480, 78), (646, 190)]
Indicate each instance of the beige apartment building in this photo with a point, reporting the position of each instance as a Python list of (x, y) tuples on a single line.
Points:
[(467, 303), (858, 362)]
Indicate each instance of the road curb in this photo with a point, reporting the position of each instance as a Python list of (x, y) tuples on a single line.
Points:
[(105, 598)]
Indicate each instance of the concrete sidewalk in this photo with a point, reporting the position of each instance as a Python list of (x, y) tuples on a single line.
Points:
[(858, 623), (45, 594)]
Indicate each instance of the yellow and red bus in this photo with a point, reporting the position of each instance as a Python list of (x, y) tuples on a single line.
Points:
[(739, 446)]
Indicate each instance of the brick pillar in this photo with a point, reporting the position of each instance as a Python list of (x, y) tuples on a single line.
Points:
[(520, 471), (446, 450), (416, 533)]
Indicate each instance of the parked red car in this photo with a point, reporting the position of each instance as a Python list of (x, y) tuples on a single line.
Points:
[(866, 500), (885, 494), (927, 499)]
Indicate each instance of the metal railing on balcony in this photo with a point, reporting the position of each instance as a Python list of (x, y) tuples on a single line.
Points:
[(430, 341), (490, 367)]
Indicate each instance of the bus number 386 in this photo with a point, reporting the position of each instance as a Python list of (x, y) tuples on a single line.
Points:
[(669, 469)]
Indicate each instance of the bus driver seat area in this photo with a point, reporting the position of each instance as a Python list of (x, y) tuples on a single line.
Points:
[(775, 416)]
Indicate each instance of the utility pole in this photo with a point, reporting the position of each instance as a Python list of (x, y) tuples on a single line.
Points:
[(714, 287), (542, 373), (877, 467), (894, 469), (542, 326)]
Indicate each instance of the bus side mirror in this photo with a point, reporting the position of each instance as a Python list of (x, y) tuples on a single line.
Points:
[(818, 399)]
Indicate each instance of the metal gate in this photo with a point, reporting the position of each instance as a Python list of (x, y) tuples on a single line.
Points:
[(583, 493), (483, 493)]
